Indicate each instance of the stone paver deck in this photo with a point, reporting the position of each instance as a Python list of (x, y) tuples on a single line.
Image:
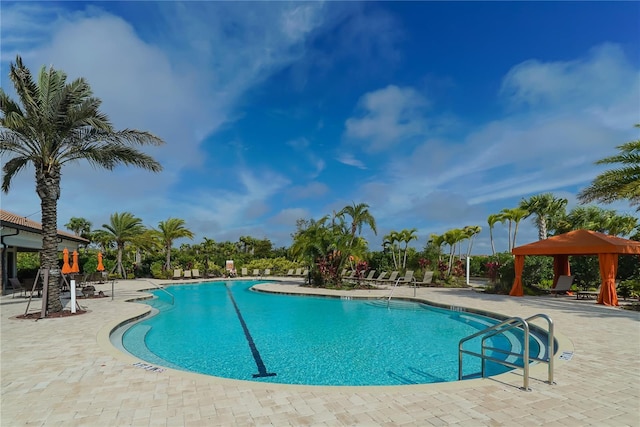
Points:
[(66, 372)]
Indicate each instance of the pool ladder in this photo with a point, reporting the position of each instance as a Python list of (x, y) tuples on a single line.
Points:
[(504, 326)]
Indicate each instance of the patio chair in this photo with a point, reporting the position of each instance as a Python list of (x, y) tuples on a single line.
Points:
[(290, 272), (369, 277), (256, 272), (267, 272), (187, 274), (244, 271), (380, 278), (298, 272), (406, 279), (392, 278), (427, 279), (562, 286), (177, 274), (195, 273)]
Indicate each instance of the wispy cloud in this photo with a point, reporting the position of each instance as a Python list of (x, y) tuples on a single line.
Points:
[(387, 117)]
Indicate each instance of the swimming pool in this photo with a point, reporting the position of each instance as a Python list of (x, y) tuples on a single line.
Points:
[(227, 330)]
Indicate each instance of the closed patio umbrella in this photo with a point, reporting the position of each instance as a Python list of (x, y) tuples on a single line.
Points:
[(66, 268), (75, 268), (100, 266)]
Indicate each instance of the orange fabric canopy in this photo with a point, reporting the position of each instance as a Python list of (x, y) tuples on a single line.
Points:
[(579, 242)]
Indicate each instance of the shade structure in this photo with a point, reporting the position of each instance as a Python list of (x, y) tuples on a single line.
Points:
[(66, 268), (75, 268), (100, 266), (579, 242)]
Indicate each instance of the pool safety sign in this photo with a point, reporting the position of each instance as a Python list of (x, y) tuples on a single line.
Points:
[(566, 355)]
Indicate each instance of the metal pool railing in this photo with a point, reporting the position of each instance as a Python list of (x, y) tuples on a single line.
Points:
[(502, 327)]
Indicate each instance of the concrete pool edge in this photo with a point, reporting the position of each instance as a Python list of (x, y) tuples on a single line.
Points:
[(537, 371)]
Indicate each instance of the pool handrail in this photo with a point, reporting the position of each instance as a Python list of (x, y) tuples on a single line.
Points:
[(505, 325)]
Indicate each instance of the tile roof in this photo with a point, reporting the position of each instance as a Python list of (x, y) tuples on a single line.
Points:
[(15, 220)]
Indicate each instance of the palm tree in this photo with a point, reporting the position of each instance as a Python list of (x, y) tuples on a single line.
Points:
[(170, 230), (55, 123), (437, 240), (123, 229), (492, 220), (452, 238), (79, 226), (470, 232), (360, 215), (514, 216), (620, 183), (390, 241), (517, 215), (546, 207), (406, 236)]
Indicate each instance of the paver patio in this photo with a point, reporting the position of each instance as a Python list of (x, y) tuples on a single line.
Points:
[(66, 372)]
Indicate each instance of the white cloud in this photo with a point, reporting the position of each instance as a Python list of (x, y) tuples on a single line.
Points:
[(387, 117), (350, 160)]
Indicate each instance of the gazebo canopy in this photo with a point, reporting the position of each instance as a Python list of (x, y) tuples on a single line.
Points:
[(578, 242)]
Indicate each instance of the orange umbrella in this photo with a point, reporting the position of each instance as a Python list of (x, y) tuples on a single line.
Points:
[(100, 267), (66, 268), (76, 266)]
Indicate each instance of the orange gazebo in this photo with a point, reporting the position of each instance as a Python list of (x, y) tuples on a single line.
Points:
[(578, 242)]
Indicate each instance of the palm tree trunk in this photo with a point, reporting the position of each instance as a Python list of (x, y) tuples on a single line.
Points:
[(48, 188), (493, 247)]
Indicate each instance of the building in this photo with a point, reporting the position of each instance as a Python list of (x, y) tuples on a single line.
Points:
[(20, 234)]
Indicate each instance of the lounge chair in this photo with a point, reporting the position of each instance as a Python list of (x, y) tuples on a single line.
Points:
[(177, 274), (407, 279), (392, 279), (256, 272), (290, 272), (244, 271), (380, 278), (426, 280), (267, 272), (298, 272), (305, 273), (195, 273), (369, 277), (187, 274), (562, 286)]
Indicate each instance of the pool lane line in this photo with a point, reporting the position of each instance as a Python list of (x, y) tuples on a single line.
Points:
[(262, 370)]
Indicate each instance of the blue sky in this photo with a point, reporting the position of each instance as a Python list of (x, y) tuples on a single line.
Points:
[(436, 114)]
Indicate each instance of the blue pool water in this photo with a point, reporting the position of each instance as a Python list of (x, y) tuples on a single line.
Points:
[(227, 330)]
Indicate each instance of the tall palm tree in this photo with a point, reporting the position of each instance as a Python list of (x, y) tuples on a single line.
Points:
[(492, 220), (470, 232), (452, 238), (360, 216), (406, 236), (52, 124), (123, 228), (514, 216), (170, 230), (545, 207), (390, 241), (437, 240), (517, 215), (620, 183)]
